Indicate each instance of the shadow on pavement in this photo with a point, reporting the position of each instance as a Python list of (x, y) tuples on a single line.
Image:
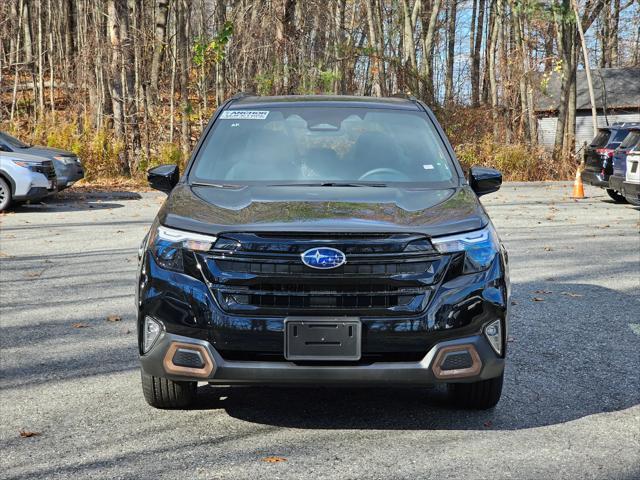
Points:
[(68, 201), (569, 357)]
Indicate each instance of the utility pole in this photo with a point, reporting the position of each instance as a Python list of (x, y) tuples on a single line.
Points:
[(587, 68)]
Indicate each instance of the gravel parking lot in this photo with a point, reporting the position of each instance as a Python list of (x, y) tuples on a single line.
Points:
[(570, 408)]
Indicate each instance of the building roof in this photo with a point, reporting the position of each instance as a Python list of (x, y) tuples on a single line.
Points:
[(325, 100), (613, 88)]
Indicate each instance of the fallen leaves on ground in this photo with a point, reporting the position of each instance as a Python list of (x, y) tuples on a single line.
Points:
[(80, 325), (488, 424), (34, 274), (548, 249), (538, 299), (545, 292), (510, 339), (114, 318), (571, 294), (26, 433), (274, 459)]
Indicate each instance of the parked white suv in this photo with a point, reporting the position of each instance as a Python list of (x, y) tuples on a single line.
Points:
[(631, 185), (25, 177)]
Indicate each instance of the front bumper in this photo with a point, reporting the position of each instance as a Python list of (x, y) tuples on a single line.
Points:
[(401, 349), (34, 193), (69, 175), (228, 372), (595, 179)]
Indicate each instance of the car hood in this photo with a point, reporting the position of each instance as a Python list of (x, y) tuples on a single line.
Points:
[(320, 209), (47, 152)]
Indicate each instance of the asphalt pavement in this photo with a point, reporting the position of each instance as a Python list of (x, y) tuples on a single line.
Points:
[(69, 370)]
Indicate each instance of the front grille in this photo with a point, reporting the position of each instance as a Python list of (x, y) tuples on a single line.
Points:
[(46, 168), (264, 275)]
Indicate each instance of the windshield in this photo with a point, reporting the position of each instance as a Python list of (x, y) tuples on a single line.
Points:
[(323, 145), (11, 141)]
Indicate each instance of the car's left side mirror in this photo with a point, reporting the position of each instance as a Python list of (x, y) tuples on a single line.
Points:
[(164, 177), (484, 180)]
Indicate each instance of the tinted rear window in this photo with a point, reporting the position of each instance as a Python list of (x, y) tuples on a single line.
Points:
[(601, 139), (617, 137), (631, 139)]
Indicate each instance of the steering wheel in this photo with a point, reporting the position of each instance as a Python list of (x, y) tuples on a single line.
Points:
[(377, 171)]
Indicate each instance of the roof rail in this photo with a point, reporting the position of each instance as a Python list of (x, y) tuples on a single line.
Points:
[(406, 96)]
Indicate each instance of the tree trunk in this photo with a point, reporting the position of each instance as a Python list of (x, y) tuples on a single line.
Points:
[(40, 73), (185, 108), (409, 60), (162, 9), (429, 20), (475, 56), (493, 85), (115, 12), (585, 55), (451, 45), (377, 74)]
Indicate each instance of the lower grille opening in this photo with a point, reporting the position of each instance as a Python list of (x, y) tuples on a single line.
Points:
[(367, 358)]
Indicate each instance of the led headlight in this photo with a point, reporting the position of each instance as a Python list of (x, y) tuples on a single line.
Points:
[(167, 246), (150, 333), (33, 166), (480, 247)]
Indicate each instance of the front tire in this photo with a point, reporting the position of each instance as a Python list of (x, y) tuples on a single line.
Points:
[(477, 395), (5, 195), (163, 393), (615, 196)]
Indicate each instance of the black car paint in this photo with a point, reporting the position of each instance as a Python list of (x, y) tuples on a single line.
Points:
[(460, 304), (346, 209)]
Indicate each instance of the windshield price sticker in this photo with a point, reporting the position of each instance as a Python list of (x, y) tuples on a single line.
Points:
[(244, 115)]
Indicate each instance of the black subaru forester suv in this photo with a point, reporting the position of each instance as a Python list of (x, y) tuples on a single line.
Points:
[(322, 240)]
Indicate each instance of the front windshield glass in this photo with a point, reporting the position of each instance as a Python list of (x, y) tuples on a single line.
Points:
[(316, 145), (12, 141)]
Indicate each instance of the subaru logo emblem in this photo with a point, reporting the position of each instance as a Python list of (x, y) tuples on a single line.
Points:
[(323, 258)]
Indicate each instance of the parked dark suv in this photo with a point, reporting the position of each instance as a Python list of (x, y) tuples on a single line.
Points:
[(322, 240), (599, 157), (630, 143)]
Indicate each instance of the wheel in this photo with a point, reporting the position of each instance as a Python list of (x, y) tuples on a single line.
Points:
[(5, 195), (164, 393), (633, 201), (616, 197), (477, 395)]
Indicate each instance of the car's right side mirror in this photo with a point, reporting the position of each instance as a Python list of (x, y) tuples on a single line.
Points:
[(164, 177), (484, 180)]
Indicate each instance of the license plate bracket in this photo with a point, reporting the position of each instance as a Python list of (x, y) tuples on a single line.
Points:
[(322, 338)]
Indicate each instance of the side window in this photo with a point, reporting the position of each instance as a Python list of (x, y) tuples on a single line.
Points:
[(631, 139)]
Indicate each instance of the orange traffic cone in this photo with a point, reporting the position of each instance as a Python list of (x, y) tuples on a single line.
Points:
[(578, 188)]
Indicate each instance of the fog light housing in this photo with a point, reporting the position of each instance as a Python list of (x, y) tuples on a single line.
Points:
[(493, 333), (150, 333)]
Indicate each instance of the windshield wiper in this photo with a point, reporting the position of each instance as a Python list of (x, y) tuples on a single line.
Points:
[(330, 184), (216, 185)]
